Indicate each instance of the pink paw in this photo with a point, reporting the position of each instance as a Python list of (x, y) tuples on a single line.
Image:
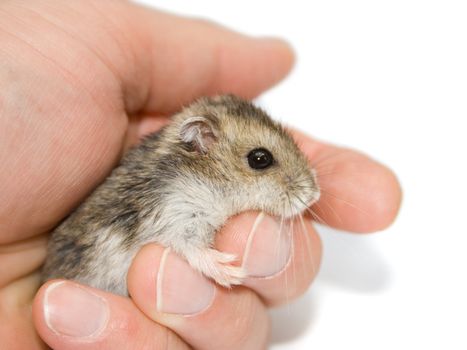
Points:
[(217, 265)]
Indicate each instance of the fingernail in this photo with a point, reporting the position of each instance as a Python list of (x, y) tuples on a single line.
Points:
[(181, 289), (74, 311), (267, 251)]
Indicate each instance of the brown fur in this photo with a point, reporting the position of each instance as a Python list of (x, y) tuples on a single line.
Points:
[(212, 152)]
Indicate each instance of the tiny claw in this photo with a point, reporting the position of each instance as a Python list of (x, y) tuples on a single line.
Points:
[(228, 275), (217, 266)]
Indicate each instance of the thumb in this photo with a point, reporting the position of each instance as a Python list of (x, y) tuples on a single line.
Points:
[(187, 58), (71, 316)]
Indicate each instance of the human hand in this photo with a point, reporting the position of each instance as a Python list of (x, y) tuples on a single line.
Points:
[(83, 81)]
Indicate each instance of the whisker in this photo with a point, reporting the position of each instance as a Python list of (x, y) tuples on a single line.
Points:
[(328, 193), (236, 235), (317, 162), (345, 202), (320, 161), (321, 174), (285, 274), (308, 244), (277, 245), (286, 290), (292, 247), (317, 217), (313, 214), (337, 216)]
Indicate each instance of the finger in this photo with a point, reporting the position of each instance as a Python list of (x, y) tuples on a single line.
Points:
[(170, 292), (280, 258), (357, 193), (16, 330), (195, 57), (71, 316), (21, 258)]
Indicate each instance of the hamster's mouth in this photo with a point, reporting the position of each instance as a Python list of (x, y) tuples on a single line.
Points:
[(298, 207)]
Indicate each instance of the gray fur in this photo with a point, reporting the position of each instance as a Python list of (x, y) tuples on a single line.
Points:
[(177, 188)]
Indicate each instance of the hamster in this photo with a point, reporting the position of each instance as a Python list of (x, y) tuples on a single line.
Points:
[(218, 157)]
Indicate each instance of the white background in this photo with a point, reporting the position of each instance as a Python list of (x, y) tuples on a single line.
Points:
[(388, 78)]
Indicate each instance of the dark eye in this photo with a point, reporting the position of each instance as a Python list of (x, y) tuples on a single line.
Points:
[(260, 158)]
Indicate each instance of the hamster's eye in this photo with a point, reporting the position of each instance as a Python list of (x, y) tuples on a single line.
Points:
[(260, 158)]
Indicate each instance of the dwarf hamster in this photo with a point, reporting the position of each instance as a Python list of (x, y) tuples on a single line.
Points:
[(218, 157)]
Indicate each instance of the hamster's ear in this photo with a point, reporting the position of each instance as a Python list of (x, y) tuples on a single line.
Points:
[(199, 132)]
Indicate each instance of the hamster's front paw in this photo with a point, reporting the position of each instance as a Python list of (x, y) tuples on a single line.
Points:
[(217, 265)]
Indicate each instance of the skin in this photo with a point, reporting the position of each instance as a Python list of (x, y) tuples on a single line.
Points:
[(84, 81)]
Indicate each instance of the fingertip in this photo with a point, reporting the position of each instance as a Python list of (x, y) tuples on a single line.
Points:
[(67, 312), (68, 315), (38, 304), (188, 305), (380, 197), (359, 194), (142, 278), (281, 258), (285, 52), (252, 65), (161, 282), (284, 55), (296, 276), (387, 199)]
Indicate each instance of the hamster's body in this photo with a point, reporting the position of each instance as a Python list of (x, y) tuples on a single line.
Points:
[(219, 156)]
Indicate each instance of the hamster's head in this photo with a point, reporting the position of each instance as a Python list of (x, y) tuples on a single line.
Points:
[(246, 154)]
